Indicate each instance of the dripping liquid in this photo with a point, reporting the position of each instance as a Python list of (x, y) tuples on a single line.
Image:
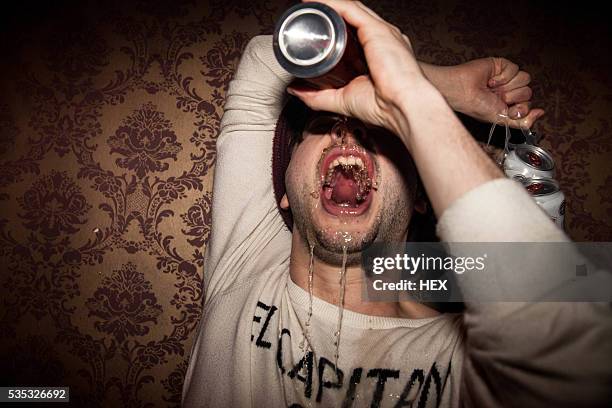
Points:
[(503, 118), (310, 295), (340, 308)]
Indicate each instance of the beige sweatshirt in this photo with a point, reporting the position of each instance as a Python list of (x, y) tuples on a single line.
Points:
[(250, 349)]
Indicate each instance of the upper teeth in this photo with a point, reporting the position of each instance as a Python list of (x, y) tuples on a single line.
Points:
[(347, 161)]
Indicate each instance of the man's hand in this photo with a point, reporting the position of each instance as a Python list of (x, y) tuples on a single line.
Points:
[(486, 87), (396, 95), (394, 72), (482, 88)]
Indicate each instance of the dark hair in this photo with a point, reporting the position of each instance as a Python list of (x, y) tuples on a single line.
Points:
[(298, 116)]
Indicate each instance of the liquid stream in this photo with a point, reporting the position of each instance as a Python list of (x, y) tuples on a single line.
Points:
[(503, 119), (306, 336), (340, 308)]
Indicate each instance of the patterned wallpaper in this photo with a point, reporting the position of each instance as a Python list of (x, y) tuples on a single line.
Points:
[(109, 114)]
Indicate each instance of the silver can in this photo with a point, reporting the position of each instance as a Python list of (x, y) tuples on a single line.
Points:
[(527, 161), (314, 43), (548, 196)]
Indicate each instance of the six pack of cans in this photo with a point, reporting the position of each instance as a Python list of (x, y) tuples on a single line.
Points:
[(534, 168)]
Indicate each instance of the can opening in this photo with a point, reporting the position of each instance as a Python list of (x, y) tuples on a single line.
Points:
[(540, 187), (535, 157)]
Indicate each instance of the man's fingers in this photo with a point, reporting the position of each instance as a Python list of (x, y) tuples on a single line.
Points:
[(325, 100), (503, 71), (528, 121), (517, 95), (368, 10), (355, 13), (520, 110), (520, 80)]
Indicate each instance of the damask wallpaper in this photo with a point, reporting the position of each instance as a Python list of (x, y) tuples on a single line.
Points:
[(109, 113)]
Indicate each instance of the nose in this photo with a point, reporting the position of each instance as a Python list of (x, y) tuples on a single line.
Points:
[(348, 131)]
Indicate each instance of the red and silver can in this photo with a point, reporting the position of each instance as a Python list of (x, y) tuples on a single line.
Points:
[(548, 196), (314, 43), (527, 161)]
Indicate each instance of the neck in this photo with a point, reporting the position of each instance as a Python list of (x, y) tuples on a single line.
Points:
[(327, 285)]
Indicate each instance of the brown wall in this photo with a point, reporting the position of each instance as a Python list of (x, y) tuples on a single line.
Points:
[(108, 120)]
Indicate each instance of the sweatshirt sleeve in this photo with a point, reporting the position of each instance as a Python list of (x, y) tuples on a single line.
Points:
[(244, 213), (526, 354)]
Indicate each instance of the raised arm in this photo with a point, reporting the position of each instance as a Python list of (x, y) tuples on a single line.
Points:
[(526, 354), (397, 96), (485, 87), (242, 190), (516, 354)]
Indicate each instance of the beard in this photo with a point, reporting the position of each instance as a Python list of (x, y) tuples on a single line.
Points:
[(389, 224)]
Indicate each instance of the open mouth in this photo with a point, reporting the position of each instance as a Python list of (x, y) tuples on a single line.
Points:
[(347, 180)]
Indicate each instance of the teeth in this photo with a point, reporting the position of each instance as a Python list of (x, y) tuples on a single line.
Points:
[(347, 161), (354, 164)]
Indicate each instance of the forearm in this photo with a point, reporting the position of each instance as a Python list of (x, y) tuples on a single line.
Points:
[(557, 353), (444, 78), (448, 159), (242, 189), (257, 91)]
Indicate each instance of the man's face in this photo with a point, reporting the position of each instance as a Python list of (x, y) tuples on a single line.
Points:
[(349, 186)]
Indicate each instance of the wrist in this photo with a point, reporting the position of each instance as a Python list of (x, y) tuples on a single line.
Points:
[(415, 108)]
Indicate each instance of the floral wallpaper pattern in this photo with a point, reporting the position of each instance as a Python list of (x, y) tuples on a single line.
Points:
[(109, 114)]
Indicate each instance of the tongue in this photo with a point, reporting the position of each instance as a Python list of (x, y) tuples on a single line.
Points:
[(345, 190)]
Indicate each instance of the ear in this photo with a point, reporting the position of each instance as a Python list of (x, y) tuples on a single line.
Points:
[(284, 202), (420, 205)]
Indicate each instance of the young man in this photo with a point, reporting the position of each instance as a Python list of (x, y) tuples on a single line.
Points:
[(265, 341)]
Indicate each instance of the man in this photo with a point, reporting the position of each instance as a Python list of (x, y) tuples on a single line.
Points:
[(282, 327)]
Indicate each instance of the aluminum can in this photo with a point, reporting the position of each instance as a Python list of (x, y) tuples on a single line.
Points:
[(527, 161), (314, 43), (548, 196)]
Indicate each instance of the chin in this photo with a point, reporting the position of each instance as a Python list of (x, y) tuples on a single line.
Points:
[(344, 229), (345, 205), (333, 254)]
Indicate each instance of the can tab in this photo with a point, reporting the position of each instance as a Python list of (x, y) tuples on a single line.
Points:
[(531, 138)]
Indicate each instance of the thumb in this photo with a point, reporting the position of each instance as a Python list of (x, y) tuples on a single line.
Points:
[(329, 100), (528, 121), (503, 71)]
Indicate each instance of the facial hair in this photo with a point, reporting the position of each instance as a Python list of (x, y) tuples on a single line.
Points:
[(390, 224)]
